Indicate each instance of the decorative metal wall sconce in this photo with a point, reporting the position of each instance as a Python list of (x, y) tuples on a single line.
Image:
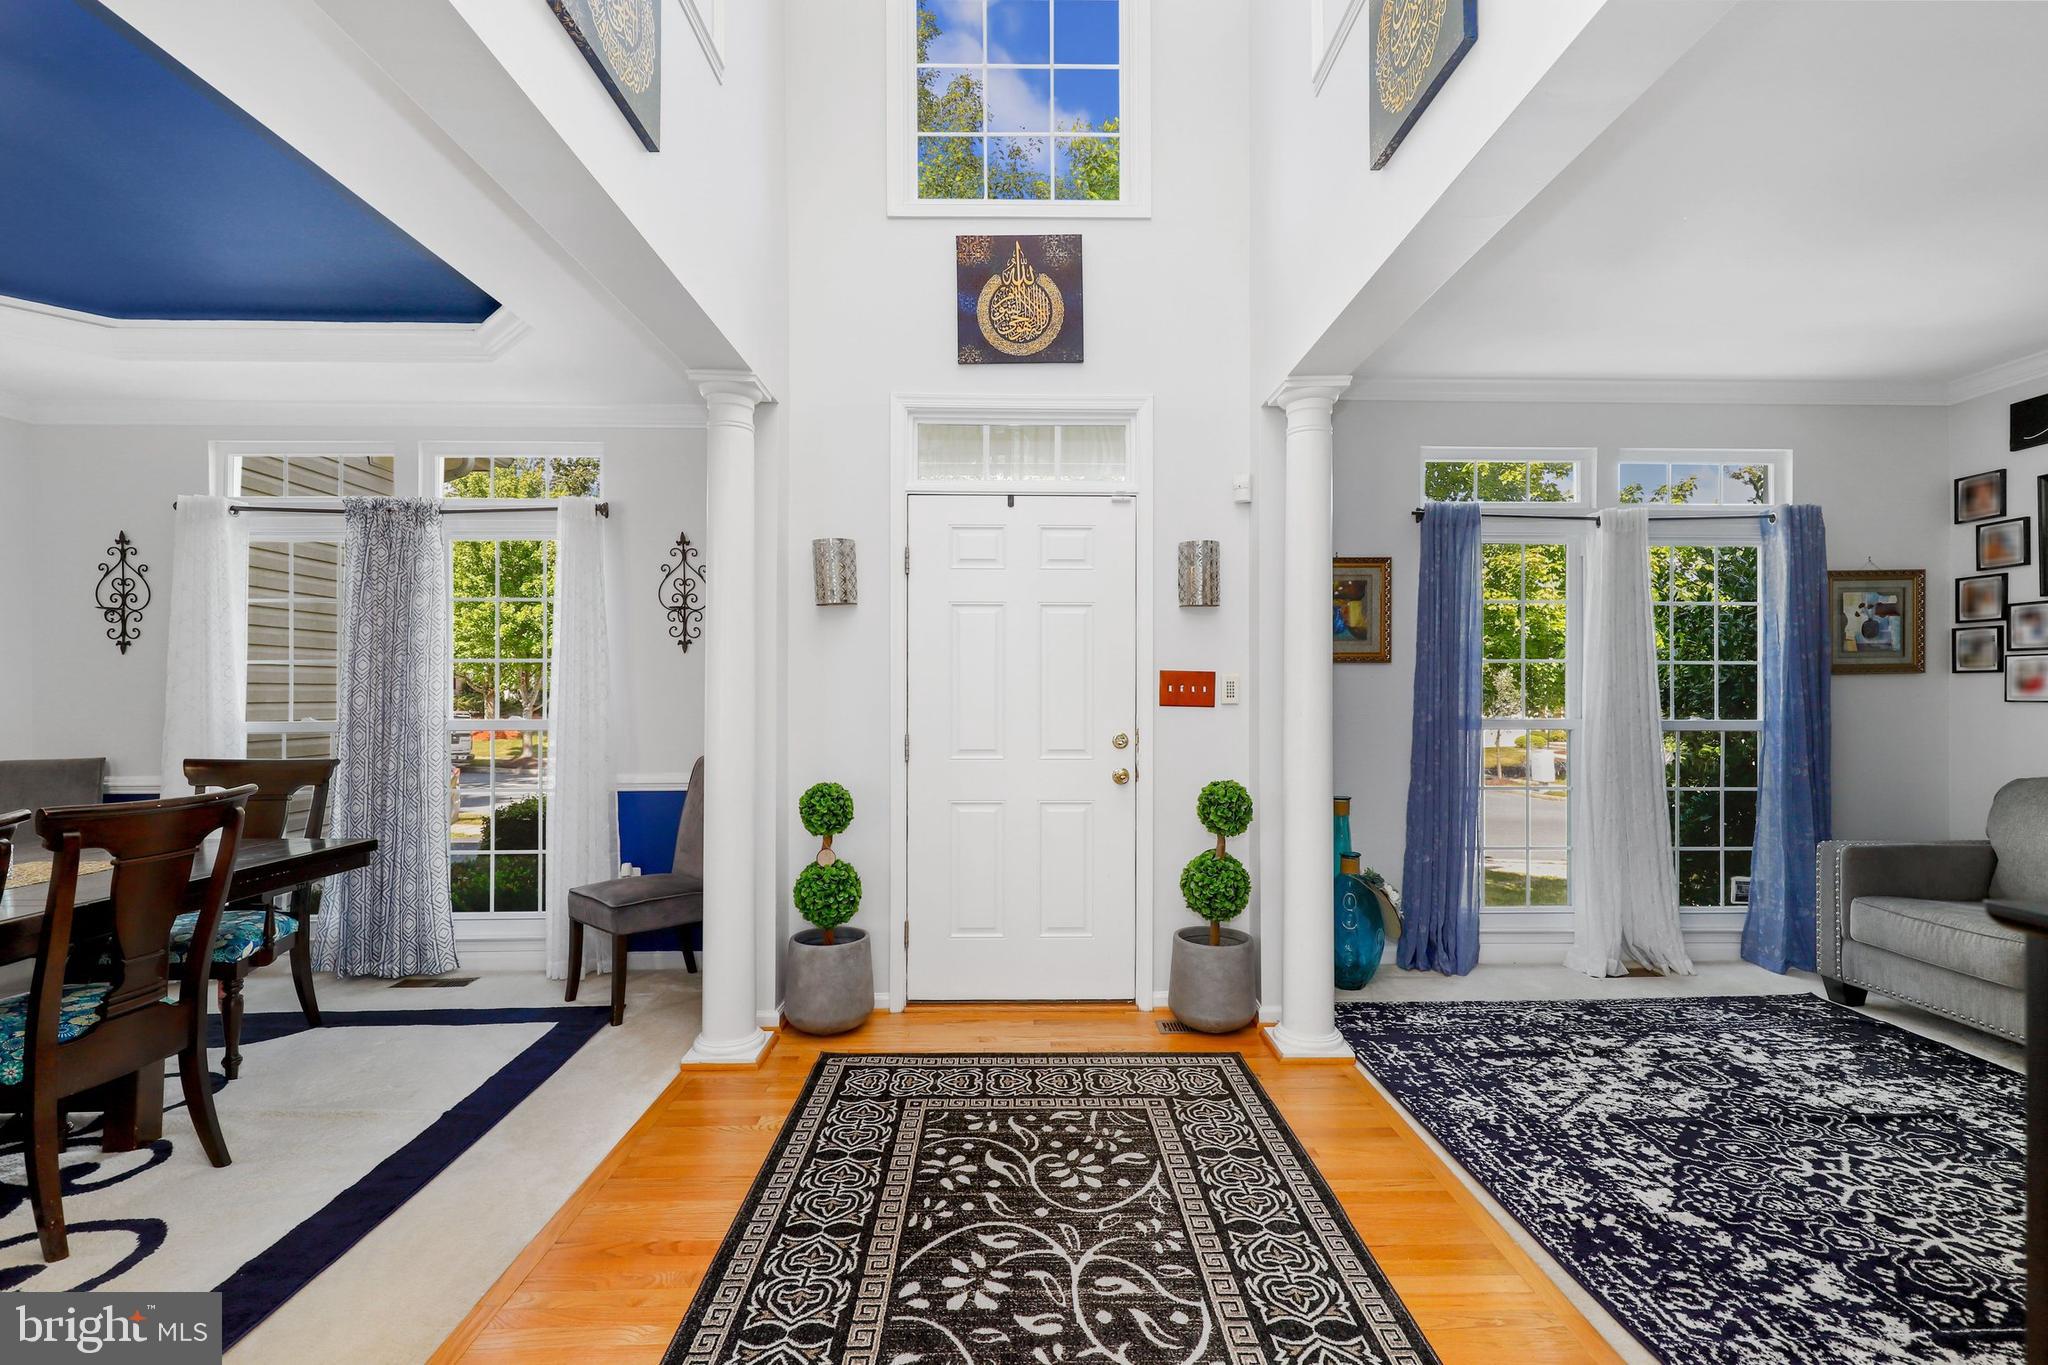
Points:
[(834, 573), (1201, 572), (123, 592), (681, 592)]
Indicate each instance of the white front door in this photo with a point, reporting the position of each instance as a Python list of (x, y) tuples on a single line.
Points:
[(1022, 680)]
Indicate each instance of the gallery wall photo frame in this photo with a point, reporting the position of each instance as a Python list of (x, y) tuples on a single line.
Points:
[(2041, 507), (2026, 677), (1977, 649), (2007, 544), (2030, 423), (1878, 620), (1980, 597), (2026, 626), (1362, 609), (1980, 497)]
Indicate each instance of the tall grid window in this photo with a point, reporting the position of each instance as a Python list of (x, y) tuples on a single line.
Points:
[(1019, 99), (1527, 694), (1707, 675), (498, 731)]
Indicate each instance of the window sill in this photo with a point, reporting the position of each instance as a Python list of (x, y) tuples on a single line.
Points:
[(1027, 210)]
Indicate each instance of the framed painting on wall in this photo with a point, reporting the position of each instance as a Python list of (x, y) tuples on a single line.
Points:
[(1977, 649), (1878, 620), (2026, 677), (621, 39), (2030, 423), (1018, 299), (1416, 44), (2028, 626), (1362, 602), (1981, 598)]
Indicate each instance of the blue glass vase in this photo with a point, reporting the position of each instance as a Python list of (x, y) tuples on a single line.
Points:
[(1342, 833), (1361, 937)]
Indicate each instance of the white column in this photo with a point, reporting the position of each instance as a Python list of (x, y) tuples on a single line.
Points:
[(1308, 1019), (729, 1035)]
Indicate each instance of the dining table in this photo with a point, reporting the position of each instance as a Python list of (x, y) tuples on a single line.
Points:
[(263, 867)]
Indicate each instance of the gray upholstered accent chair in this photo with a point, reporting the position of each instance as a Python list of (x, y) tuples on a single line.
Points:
[(1908, 919), (40, 783), (635, 905)]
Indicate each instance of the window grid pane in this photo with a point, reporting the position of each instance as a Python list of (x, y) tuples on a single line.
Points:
[(1500, 480), (1706, 620), (1019, 99), (1524, 782)]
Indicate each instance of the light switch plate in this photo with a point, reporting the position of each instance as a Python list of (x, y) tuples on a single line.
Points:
[(1179, 687)]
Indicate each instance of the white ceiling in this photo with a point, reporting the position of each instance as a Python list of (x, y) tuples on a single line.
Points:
[(1820, 192)]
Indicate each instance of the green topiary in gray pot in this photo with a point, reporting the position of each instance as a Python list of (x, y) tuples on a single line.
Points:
[(829, 983), (1214, 987)]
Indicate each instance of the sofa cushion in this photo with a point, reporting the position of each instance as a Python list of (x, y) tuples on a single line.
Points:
[(2018, 828), (1959, 936)]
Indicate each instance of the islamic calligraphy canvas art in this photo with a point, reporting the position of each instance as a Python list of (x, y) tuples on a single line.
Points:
[(1416, 44), (621, 39), (1018, 300)]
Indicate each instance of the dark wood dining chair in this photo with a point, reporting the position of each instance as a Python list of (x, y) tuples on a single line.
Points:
[(65, 1039), (254, 934)]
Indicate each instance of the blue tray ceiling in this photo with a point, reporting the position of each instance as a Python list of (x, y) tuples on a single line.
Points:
[(130, 188)]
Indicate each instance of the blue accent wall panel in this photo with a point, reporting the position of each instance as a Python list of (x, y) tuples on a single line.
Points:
[(130, 188)]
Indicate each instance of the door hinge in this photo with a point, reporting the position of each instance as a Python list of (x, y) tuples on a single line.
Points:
[(906, 747), (906, 936), (906, 561)]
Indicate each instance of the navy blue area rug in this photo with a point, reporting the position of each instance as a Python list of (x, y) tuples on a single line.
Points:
[(332, 1130), (1738, 1180)]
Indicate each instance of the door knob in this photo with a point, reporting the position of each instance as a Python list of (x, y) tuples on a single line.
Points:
[(1122, 741), (1120, 776)]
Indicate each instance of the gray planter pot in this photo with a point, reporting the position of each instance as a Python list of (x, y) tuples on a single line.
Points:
[(1215, 988), (828, 987)]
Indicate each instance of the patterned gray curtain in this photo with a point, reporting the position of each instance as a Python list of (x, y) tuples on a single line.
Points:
[(392, 918)]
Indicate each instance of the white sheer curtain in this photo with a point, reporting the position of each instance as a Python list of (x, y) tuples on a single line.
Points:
[(582, 842), (207, 637), (1627, 890)]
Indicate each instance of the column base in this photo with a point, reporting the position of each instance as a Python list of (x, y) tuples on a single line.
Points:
[(1295, 1047), (745, 1051)]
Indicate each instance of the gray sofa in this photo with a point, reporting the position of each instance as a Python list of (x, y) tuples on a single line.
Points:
[(1907, 919)]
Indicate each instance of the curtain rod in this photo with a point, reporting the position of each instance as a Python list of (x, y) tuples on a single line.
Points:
[(604, 509), (1533, 515)]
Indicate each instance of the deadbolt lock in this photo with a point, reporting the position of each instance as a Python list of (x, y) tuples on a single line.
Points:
[(1122, 741)]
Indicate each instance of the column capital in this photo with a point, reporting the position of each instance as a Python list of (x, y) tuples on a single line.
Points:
[(1309, 394), (732, 395)]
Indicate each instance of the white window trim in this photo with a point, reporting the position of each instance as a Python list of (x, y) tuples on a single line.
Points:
[(1135, 131), (707, 21)]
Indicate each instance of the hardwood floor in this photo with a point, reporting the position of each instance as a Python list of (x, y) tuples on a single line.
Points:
[(611, 1276)]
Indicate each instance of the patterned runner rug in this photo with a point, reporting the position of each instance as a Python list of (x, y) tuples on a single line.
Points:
[(932, 1210), (1740, 1179)]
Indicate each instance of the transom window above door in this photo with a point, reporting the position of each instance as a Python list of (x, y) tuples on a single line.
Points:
[(1018, 108), (1001, 452)]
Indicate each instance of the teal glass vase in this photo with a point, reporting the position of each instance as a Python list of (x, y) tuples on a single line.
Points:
[(1361, 936), (1342, 833)]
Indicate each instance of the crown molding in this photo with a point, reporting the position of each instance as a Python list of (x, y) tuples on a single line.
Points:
[(527, 417), (1751, 392), (147, 339), (2028, 369)]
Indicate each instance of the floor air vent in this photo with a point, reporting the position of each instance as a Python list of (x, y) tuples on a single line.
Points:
[(441, 982), (1173, 1026)]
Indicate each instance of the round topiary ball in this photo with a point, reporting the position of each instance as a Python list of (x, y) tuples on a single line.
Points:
[(1215, 886), (827, 894), (826, 808), (1224, 808)]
